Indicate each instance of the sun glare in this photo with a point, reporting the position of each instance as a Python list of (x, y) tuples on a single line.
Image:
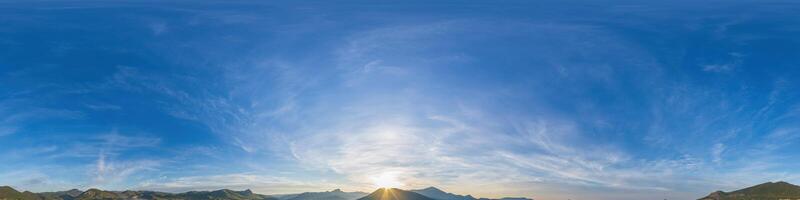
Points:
[(387, 180)]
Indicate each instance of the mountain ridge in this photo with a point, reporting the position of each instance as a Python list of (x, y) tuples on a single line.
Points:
[(394, 194), (429, 193), (438, 194), (336, 194), (9, 193), (765, 191)]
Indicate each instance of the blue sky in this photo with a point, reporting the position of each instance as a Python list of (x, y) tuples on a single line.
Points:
[(545, 99)]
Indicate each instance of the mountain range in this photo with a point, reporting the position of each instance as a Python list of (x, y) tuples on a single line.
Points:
[(430, 193), (766, 191), (438, 194), (8, 193), (394, 194), (336, 194)]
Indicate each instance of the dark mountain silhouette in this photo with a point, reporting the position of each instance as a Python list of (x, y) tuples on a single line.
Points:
[(430, 193), (436, 193), (285, 196), (765, 191), (8, 193), (394, 194), (336, 194)]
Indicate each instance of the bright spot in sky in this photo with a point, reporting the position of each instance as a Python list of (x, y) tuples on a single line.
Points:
[(387, 180)]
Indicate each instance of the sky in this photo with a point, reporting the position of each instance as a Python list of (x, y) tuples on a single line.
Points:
[(543, 99)]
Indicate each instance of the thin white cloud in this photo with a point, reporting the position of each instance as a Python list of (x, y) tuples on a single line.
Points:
[(103, 107), (33, 180), (15, 114), (7, 130), (158, 28), (109, 173), (717, 67), (735, 61), (716, 152)]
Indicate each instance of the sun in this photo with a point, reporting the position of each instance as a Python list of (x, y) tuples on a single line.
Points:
[(387, 180)]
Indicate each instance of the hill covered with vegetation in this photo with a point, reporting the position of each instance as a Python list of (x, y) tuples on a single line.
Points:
[(766, 191), (8, 193)]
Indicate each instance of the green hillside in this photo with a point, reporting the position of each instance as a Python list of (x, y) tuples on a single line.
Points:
[(766, 191), (8, 193), (63, 195)]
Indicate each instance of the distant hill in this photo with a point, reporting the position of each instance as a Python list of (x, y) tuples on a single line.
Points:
[(436, 193), (430, 193), (63, 195), (336, 194), (766, 191), (394, 194), (99, 194), (223, 195), (285, 196), (8, 193)]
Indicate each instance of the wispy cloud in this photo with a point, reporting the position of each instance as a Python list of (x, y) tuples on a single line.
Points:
[(716, 152), (110, 172), (101, 107), (7, 130), (109, 162), (33, 179), (735, 61), (18, 113), (717, 67)]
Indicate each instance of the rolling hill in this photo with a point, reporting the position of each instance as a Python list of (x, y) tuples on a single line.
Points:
[(436, 193), (336, 194), (63, 195), (430, 193), (394, 194), (8, 193), (766, 191)]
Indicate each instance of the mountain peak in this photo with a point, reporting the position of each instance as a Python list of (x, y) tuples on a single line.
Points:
[(7, 189), (93, 190), (337, 190), (782, 183), (436, 193), (394, 194), (766, 190), (431, 188), (95, 193), (7, 192)]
